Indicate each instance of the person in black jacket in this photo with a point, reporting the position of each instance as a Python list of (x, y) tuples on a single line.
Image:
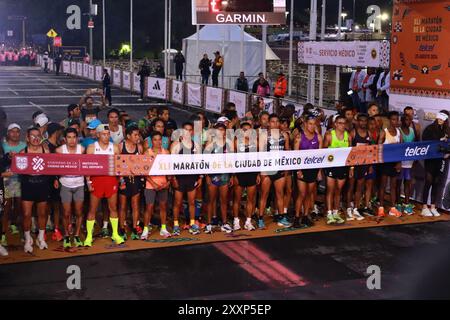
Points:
[(439, 130), (179, 61), (58, 61), (143, 73), (242, 83), (205, 68), (107, 86), (5, 161)]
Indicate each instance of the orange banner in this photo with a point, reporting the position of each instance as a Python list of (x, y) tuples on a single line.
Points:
[(420, 56)]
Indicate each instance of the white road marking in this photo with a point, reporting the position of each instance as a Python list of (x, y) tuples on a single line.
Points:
[(36, 106), (65, 105), (71, 91), (56, 97), (11, 90)]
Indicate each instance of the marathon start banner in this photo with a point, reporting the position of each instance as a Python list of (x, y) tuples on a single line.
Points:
[(131, 165)]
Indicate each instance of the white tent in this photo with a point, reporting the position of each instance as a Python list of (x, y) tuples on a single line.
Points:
[(227, 40)]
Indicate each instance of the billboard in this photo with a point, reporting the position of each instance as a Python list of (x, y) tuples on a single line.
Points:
[(239, 12)]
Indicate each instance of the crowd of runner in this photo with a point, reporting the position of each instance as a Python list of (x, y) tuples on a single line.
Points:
[(67, 207)]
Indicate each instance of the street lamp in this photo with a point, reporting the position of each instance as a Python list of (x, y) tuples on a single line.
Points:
[(384, 17)]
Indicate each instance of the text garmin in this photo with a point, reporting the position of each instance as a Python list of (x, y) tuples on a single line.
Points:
[(239, 18)]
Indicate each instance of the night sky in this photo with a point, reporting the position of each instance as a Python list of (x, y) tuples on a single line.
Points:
[(149, 19)]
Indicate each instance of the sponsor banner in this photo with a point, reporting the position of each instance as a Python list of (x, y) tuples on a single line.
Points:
[(240, 100), (57, 164), (85, 70), (344, 53), (136, 82), (157, 88), (92, 73), (130, 165), (98, 73), (194, 94), (117, 78), (413, 151), (79, 69), (214, 99), (126, 80), (66, 67), (177, 92), (73, 69), (420, 48)]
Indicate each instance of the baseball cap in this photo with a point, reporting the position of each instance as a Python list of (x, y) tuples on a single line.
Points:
[(102, 127), (41, 120), (223, 120), (94, 124), (54, 127), (14, 126), (442, 116)]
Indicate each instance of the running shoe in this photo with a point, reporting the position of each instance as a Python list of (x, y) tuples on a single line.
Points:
[(395, 213), (3, 251), (88, 242), (194, 230), (261, 224), (381, 213), (14, 229), (226, 228), (399, 207), (284, 222), (77, 241), (297, 224), (186, 226), (67, 243), (176, 231), (408, 209), (41, 244), (350, 214), (105, 233), (215, 221), (138, 229), (28, 246), (236, 225), (200, 224), (435, 212), (315, 210), (269, 211), (117, 239), (330, 218), (249, 226), (209, 229), (57, 236), (165, 234), (337, 217), (357, 215), (134, 235), (368, 212), (3, 241), (144, 235), (307, 221), (426, 212), (49, 227)]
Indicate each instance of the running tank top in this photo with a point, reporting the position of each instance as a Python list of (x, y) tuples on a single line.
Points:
[(361, 141), (336, 143), (108, 151), (117, 136), (390, 139), (410, 137), (306, 144), (71, 181), (125, 151)]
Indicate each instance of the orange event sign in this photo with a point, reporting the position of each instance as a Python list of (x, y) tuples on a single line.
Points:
[(420, 49)]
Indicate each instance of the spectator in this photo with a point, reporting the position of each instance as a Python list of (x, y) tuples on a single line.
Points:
[(87, 58), (143, 73), (261, 87), (160, 73), (45, 57), (242, 83), (179, 61), (205, 69), (356, 86), (217, 67), (106, 83), (383, 86), (58, 61), (280, 86), (367, 92)]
